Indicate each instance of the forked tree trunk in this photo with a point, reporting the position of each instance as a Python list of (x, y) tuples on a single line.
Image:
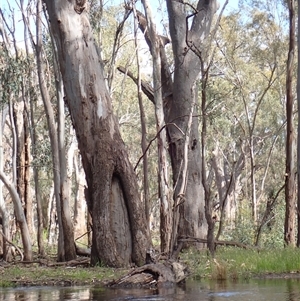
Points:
[(120, 234), (186, 43), (179, 99)]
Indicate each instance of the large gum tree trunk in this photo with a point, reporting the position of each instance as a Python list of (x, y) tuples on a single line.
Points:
[(188, 47), (120, 234), (180, 102)]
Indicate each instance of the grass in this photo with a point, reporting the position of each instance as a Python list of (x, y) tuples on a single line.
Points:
[(229, 263), (235, 263), (38, 275)]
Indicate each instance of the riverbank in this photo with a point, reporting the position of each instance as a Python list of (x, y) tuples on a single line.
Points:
[(50, 274), (228, 264)]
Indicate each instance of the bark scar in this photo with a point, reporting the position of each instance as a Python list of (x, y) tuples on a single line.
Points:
[(80, 6)]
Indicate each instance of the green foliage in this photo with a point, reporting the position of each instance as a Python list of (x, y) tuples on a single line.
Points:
[(12, 73), (236, 263), (246, 110)]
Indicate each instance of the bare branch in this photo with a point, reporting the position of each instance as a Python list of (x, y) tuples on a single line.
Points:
[(146, 88)]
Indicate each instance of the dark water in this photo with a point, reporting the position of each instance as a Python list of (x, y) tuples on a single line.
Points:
[(252, 290)]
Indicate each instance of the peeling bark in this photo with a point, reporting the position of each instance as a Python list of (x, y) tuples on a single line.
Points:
[(112, 186)]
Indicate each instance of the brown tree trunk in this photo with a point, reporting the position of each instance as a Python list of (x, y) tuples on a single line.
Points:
[(290, 188), (120, 234), (166, 214), (23, 157)]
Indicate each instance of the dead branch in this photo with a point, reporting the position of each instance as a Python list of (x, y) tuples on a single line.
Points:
[(146, 88), (217, 242), (83, 251), (49, 263), (11, 243), (153, 139)]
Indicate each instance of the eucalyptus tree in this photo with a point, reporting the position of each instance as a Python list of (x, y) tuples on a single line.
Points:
[(12, 68), (120, 234), (290, 176), (298, 131), (238, 102), (180, 99), (286, 9)]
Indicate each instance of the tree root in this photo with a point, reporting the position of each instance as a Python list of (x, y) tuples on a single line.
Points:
[(153, 275)]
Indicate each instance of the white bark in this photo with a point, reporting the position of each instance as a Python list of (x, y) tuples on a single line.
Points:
[(3, 210), (19, 215)]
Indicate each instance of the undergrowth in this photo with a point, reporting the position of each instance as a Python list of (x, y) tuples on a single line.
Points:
[(236, 263)]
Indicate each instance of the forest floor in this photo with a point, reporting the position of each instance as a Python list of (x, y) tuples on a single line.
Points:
[(50, 273), (228, 264), (53, 274)]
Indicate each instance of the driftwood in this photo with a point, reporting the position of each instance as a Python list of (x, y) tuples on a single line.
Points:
[(153, 275), (45, 262)]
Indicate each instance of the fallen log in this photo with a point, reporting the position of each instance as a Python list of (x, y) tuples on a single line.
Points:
[(82, 251), (153, 275)]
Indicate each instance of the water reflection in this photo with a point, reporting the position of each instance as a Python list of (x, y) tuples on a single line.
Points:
[(293, 290), (254, 290)]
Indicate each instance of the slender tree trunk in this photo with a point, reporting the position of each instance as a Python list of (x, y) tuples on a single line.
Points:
[(143, 126), (298, 130), (207, 191), (3, 210), (21, 220), (164, 194), (23, 160), (112, 196), (69, 244), (290, 192), (66, 246), (65, 194), (52, 132), (29, 100), (14, 143), (38, 198)]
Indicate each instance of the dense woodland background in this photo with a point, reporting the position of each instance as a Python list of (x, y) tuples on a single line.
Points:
[(246, 113)]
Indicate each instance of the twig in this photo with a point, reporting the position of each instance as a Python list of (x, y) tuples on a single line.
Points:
[(82, 235), (153, 139), (217, 242)]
